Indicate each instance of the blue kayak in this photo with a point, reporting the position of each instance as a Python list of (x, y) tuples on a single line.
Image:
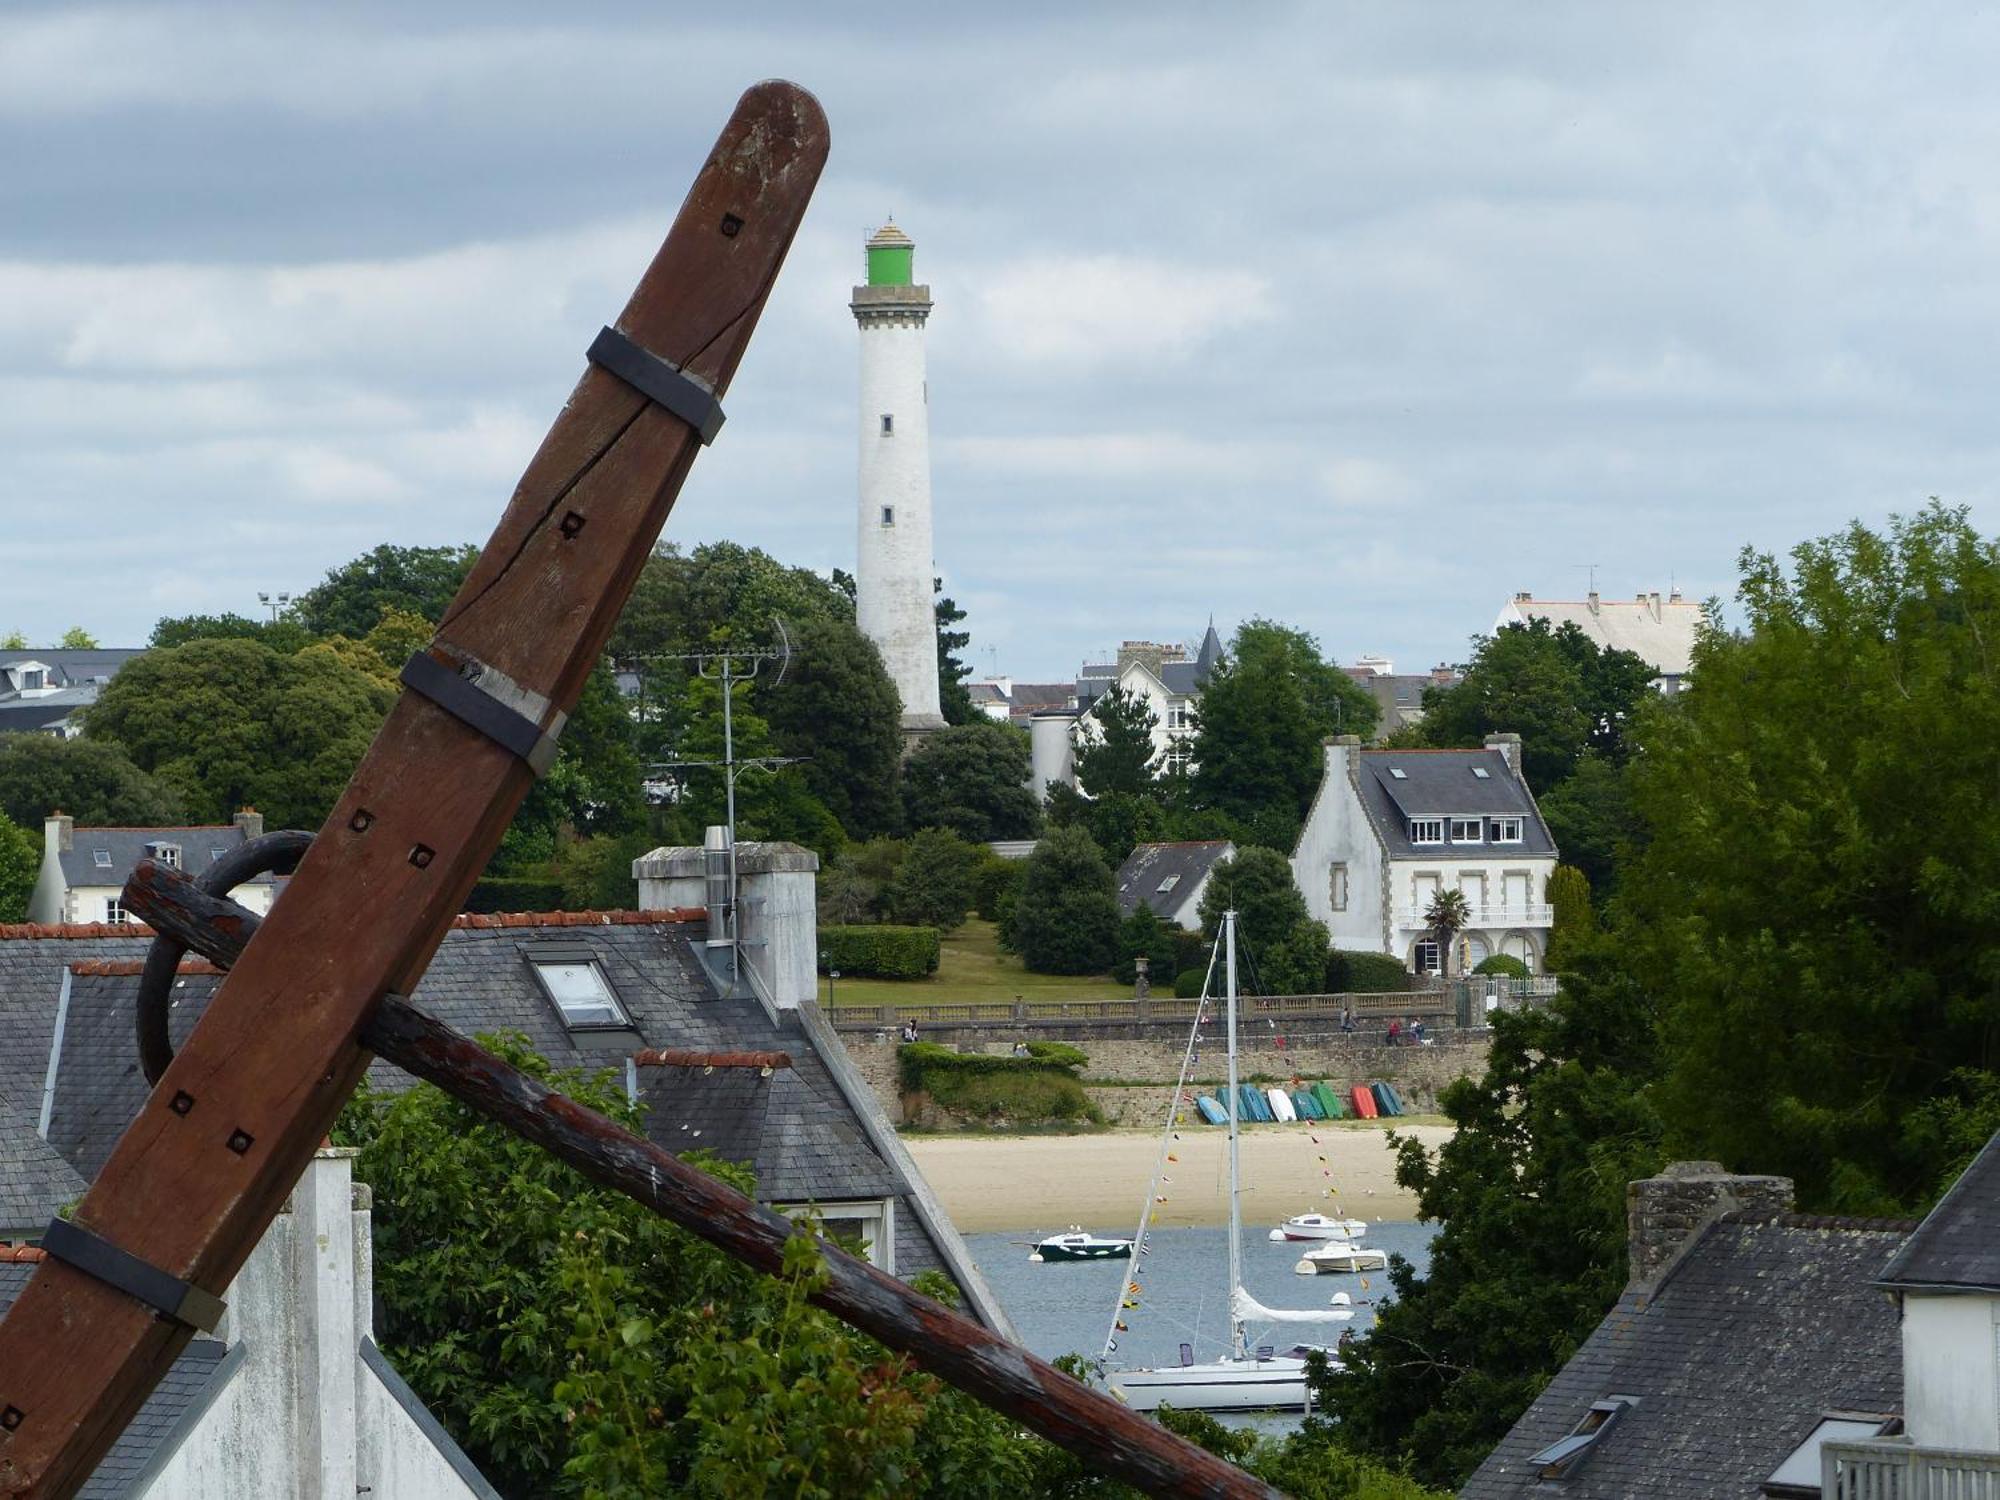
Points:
[(1211, 1111), (1307, 1106)]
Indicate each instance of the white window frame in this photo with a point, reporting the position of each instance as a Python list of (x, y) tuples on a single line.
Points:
[(100, 859), (1502, 836), (539, 961), (1419, 827), (1436, 965), (879, 1243), (170, 855), (115, 913), (1476, 836), (1336, 885)]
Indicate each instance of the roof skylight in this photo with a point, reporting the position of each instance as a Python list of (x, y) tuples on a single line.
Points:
[(1482, 773), (1399, 773), (579, 989), (101, 858), (1564, 1454)]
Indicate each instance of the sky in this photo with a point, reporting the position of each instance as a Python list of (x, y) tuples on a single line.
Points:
[(1358, 317)]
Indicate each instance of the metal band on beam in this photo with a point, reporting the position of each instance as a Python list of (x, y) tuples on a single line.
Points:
[(658, 381), (160, 1290), (479, 696)]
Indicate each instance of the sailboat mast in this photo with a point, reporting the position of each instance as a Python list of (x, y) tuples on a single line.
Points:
[(1236, 1345)]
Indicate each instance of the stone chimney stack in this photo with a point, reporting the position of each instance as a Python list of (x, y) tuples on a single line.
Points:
[(59, 833), (251, 822), (1663, 1214), (777, 922), (1509, 746)]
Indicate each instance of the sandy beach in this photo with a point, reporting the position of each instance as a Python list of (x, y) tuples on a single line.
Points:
[(1045, 1183)]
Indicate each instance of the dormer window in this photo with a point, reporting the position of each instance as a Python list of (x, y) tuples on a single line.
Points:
[(33, 678), (1800, 1474), (577, 987), (166, 854), (1507, 830), (1468, 830), (1427, 830)]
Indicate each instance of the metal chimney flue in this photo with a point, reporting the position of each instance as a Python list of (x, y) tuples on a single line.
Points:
[(715, 872)]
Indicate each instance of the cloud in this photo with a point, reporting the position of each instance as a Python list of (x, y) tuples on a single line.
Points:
[(1079, 313)]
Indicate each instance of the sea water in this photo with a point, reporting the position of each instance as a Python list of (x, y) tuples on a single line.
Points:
[(1066, 1307)]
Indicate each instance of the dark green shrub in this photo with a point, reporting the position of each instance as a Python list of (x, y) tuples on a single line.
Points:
[(496, 893), (879, 952), (1066, 920), (1188, 983), (1502, 963), (933, 885), (1190, 949), (1350, 972), (994, 879), (1041, 1086), (1142, 932)]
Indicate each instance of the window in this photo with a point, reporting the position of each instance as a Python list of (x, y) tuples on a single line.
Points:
[(1560, 1457), (1168, 884), (167, 854), (888, 515), (1482, 773), (1427, 830), (579, 989), (1399, 773), (1800, 1473), (1336, 886), (101, 858), (1426, 956), (115, 913), (1507, 830), (871, 1223), (888, 425), (1467, 830), (33, 678)]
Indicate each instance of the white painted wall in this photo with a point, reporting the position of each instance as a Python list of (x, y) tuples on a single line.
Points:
[(893, 572), (1951, 1371), (778, 915), (1051, 752), (1337, 830)]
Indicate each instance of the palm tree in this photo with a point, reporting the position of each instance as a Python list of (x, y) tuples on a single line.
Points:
[(1447, 915)]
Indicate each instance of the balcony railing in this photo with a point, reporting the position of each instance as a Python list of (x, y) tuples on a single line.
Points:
[(1890, 1469), (1494, 914)]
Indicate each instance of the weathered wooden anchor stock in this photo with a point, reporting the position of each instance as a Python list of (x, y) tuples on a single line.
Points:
[(234, 1118)]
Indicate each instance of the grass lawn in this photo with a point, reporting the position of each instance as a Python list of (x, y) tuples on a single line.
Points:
[(972, 967)]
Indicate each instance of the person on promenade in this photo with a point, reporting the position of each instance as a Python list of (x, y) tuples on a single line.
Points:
[(1396, 1032)]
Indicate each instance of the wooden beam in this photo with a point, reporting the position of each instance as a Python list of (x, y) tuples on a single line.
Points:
[(198, 1176), (1098, 1429)]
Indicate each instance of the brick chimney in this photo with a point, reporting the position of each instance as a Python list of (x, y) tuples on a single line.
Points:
[(1663, 1214), (251, 822)]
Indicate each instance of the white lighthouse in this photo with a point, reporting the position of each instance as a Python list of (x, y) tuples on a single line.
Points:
[(893, 556)]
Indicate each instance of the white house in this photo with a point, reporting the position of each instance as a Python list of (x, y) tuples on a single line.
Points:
[(1166, 679), (1389, 829), (84, 870), (1660, 631), (1170, 879)]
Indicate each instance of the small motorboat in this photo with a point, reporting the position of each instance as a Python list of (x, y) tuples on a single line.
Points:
[(1075, 1244), (1335, 1259), (1319, 1227)]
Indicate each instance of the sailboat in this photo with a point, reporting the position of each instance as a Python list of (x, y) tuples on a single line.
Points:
[(1243, 1379)]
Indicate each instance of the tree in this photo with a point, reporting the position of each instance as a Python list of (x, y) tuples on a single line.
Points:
[(1820, 897), (838, 709), (285, 635), (1144, 935), (1114, 748), (954, 701), (1446, 915), (1066, 918), (232, 723), (13, 640), (1530, 1194), (76, 638), (1262, 719), (1553, 687), (20, 862), (351, 599), (593, 789), (1591, 818), (1296, 964), (933, 886), (972, 779), (1573, 923), (94, 781), (1258, 883)]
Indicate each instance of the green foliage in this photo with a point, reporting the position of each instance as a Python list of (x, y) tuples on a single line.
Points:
[(994, 879), (1821, 896), (1263, 717), (934, 885), (1446, 915), (593, 787), (13, 640), (228, 724), (1553, 687), (1144, 933), (1501, 963), (845, 896), (954, 701), (1258, 883), (595, 873), (1574, 922), (285, 634), (879, 952), (838, 709), (76, 638), (1041, 1087), (1351, 972), (350, 601), (1066, 919), (1530, 1193), (1296, 963), (516, 893), (20, 861), (1591, 818), (972, 779), (1188, 982), (1114, 746), (94, 781)]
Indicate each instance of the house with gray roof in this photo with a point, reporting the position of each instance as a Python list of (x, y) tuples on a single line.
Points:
[(1750, 1337), (42, 690), (1170, 879), (1661, 632), (1389, 829), (84, 870)]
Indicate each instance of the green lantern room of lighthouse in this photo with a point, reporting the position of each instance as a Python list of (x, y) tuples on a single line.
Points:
[(890, 252)]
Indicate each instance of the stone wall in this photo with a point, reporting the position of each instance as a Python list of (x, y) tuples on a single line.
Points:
[(1131, 1077), (1664, 1213)]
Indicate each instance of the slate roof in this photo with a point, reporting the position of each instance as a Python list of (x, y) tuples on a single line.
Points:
[(200, 845), (1149, 865), (1761, 1328), (71, 666), (1441, 783), (796, 1130), (45, 711), (35, 1181), (188, 1386), (1957, 1247)]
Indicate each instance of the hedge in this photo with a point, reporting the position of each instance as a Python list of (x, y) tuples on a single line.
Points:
[(1349, 972), (1041, 1086), (1188, 983), (879, 952), (496, 893), (1502, 963)]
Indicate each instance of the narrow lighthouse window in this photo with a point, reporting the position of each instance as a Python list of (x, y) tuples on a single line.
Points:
[(888, 424), (888, 515)]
